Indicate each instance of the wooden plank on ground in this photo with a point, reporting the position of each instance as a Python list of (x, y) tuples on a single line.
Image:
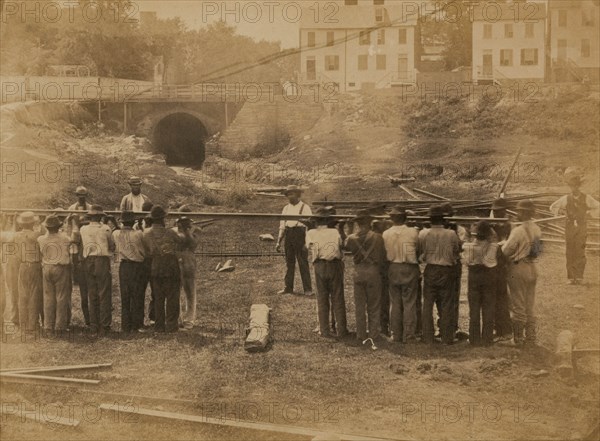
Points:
[(264, 427), (7, 377), (65, 368)]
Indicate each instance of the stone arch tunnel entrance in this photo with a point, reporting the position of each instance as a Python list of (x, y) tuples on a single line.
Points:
[(181, 138)]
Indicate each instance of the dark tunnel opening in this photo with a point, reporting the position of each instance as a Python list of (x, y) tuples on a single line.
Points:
[(181, 138)]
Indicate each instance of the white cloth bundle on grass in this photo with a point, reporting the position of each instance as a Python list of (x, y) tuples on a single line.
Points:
[(258, 333)]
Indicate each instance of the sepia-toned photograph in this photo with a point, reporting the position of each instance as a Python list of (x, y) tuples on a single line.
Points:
[(309, 220)]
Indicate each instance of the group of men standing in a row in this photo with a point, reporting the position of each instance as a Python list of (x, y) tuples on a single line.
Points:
[(43, 261), (392, 294)]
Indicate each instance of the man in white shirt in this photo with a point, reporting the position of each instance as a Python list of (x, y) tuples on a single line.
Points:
[(325, 246), (522, 248), (294, 233), (135, 200), (402, 248)]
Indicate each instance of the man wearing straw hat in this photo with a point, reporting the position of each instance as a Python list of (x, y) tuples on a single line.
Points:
[(522, 248), (30, 273), (325, 247), (294, 234), (576, 206), (98, 246), (135, 200), (56, 263)]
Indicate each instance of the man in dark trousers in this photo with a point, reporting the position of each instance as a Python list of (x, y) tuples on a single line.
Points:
[(163, 245), (294, 234), (325, 246), (98, 247), (368, 250), (502, 323), (440, 248), (576, 206), (131, 254)]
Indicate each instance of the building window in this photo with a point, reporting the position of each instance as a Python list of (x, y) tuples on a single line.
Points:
[(529, 28), (330, 38), (508, 30), (351, 2), (379, 15), (562, 18), (587, 17), (378, 2), (311, 39), (364, 38), (381, 62), (506, 57), (381, 36), (586, 48), (402, 36), (529, 57), (363, 62), (487, 31), (332, 62)]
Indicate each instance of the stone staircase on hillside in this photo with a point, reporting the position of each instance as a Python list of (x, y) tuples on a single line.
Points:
[(267, 119)]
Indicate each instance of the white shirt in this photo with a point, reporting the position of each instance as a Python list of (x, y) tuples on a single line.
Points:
[(299, 209), (401, 243), (324, 243)]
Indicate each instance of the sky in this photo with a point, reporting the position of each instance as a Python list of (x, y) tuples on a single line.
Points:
[(260, 20)]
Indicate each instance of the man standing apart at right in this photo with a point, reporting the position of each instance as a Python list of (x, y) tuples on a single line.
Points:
[(522, 248), (294, 234), (575, 206)]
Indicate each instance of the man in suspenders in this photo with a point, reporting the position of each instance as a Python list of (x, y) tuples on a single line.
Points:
[(575, 206), (294, 233)]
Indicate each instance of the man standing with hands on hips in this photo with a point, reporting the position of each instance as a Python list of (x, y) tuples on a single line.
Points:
[(294, 233)]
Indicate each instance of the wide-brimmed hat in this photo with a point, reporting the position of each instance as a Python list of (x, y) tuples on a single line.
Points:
[(127, 216), (26, 218), (52, 222), (81, 191), (376, 206), (436, 211), (447, 209), (500, 204), (135, 180), (184, 209), (322, 213), (526, 205), (363, 216), (96, 210), (574, 175), (292, 189), (398, 211), (157, 213)]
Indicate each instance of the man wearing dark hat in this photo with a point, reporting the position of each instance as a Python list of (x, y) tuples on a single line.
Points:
[(82, 204), (402, 248), (130, 254), (98, 246), (294, 234), (480, 257), (376, 208), (30, 273), (163, 246), (187, 265), (135, 200), (325, 247), (502, 323), (522, 248), (576, 206), (56, 263), (461, 232), (368, 250), (440, 251)]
